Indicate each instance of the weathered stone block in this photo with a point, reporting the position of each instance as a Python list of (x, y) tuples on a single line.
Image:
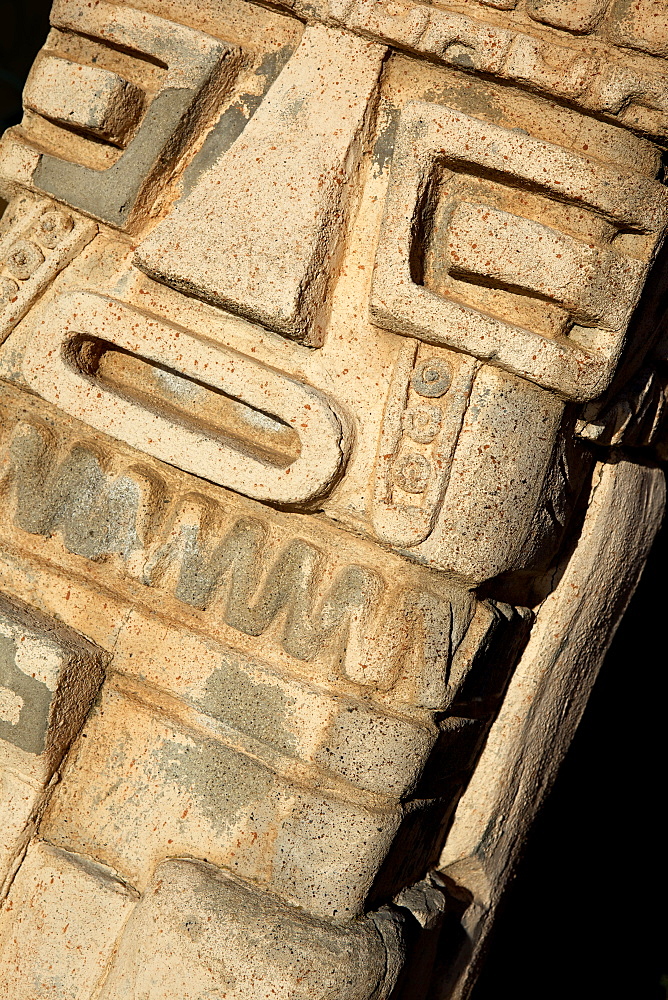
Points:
[(86, 97), (434, 138), (49, 677), (356, 739), (578, 16), (272, 262), (199, 70), (198, 932), (143, 786), (640, 24), (59, 926), (595, 285), (18, 800)]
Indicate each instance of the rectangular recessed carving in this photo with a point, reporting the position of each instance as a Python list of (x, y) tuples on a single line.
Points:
[(187, 401), (89, 98), (438, 144), (423, 418), (596, 286)]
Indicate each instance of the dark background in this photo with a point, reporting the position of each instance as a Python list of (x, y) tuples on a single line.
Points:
[(585, 917)]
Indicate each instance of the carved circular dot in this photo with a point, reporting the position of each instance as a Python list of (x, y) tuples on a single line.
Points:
[(422, 423), (8, 291), (52, 227), (24, 259), (411, 472), (431, 378)]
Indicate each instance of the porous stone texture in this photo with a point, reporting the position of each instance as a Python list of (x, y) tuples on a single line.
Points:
[(197, 932), (66, 911), (332, 399), (49, 677), (269, 254), (85, 97)]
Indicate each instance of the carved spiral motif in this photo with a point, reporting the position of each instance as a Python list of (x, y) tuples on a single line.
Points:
[(432, 378), (422, 423), (24, 259), (412, 472), (8, 290)]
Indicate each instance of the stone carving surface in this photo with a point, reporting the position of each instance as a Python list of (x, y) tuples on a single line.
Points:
[(48, 679), (89, 98), (66, 371), (271, 261), (226, 924), (197, 66), (432, 136), (70, 955), (39, 244), (332, 397)]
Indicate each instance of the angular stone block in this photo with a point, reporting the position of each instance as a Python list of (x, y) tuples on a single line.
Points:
[(49, 677), (355, 739), (85, 97), (640, 24), (199, 932), (199, 69), (578, 16), (271, 259), (59, 926), (189, 792), (595, 285)]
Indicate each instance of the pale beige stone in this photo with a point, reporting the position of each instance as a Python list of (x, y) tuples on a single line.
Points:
[(178, 799), (641, 25), (58, 926), (334, 441), (549, 67), (60, 371), (18, 804), (87, 97), (356, 612), (34, 248), (431, 135), (272, 260), (49, 677), (197, 933), (561, 65), (596, 286), (200, 71), (572, 15), (356, 739)]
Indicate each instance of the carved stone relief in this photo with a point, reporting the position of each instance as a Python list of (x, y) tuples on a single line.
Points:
[(332, 401)]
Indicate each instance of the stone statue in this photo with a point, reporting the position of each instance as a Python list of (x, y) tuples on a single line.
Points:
[(332, 406)]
